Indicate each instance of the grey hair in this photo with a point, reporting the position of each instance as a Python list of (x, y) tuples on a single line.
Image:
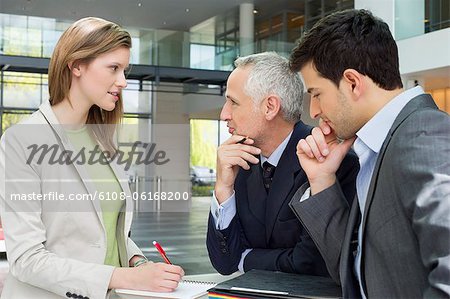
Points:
[(270, 74)]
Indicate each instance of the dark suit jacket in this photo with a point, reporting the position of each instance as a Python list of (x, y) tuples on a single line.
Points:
[(265, 223), (406, 223)]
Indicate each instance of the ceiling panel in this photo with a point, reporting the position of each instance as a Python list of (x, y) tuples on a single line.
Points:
[(156, 14)]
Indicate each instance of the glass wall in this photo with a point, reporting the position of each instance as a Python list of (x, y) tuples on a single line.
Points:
[(206, 136), (22, 93), (226, 39), (279, 32), (437, 15), (36, 37), (28, 36), (213, 46), (416, 17), (315, 10)]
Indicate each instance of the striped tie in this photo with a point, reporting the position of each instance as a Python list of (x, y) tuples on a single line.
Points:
[(268, 171)]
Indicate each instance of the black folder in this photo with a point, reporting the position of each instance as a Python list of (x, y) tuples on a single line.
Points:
[(268, 284)]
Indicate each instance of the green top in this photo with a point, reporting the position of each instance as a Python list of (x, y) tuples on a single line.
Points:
[(108, 187)]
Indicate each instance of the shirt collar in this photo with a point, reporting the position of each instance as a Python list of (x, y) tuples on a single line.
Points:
[(374, 132), (274, 158)]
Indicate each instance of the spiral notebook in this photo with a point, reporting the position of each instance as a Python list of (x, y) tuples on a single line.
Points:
[(186, 289)]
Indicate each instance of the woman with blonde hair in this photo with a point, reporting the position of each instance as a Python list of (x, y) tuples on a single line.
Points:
[(61, 239)]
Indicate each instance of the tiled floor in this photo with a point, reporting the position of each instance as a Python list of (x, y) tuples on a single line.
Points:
[(182, 236)]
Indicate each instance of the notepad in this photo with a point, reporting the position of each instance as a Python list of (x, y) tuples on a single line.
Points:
[(186, 289)]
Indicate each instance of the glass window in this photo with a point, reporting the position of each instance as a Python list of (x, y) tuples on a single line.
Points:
[(2, 38), (295, 23), (135, 101), (135, 50), (409, 19), (22, 90), (437, 15), (22, 36), (44, 89), (128, 131), (204, 142), (202, 57), (223, 131), (131, 130), (50, 36), (12, 118)]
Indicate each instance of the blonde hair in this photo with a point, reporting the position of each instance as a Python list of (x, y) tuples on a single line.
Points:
[(82, 42)]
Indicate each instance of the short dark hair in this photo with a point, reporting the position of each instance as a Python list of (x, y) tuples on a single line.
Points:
[(350, 39)]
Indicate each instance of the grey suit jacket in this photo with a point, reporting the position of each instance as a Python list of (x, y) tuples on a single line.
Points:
[(406, 222)]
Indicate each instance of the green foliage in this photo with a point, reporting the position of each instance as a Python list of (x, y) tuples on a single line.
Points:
[(204, 143), (9, 119), (23, 89), (202, 190)]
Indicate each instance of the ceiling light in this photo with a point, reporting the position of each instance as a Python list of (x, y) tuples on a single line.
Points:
[(255, 11), (187, 9), (139, 4)]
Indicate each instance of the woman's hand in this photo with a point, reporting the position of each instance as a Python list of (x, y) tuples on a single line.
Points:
[(157, 277)]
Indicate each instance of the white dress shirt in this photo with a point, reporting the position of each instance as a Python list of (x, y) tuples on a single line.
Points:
[(367, 147)]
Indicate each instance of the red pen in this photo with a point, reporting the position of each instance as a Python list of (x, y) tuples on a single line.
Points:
[(162, 252)]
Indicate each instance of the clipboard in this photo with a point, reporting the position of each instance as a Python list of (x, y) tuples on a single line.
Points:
[(268, 284)]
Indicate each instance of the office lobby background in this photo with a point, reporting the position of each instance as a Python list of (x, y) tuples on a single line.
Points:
[(183, 52)]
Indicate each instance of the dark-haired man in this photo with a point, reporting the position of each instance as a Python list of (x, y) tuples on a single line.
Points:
[(394, 240)]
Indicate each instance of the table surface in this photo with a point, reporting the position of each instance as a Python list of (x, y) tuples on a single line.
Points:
[(210, 277)]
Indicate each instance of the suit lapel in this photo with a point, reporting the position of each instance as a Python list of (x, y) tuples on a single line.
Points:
[(48, 114), (282, 184), (286, 178), (129, 203), (419, 102), (256, 194), (349, 282)]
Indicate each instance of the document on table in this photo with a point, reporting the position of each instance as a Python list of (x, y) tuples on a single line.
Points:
[(186, 289)]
